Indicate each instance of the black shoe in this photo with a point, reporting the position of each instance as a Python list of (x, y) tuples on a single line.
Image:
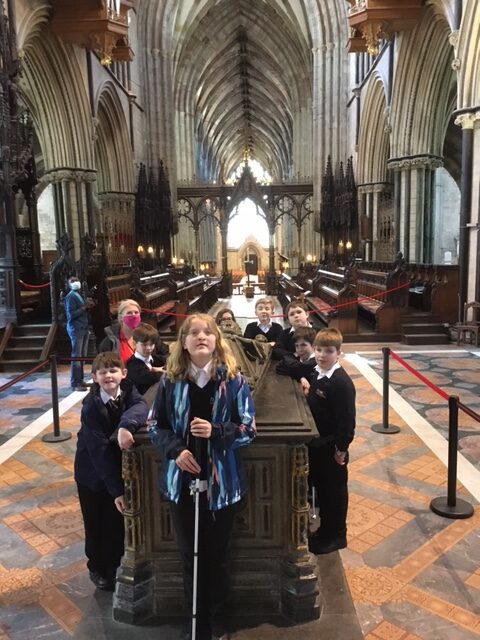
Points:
[(80, 387), (100, 582), (319, 547)]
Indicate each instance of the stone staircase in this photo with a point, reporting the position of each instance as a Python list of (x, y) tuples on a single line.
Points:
[(424, 328), (24, 347)]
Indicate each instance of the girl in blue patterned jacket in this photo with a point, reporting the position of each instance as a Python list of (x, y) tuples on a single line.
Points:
[(204, 413)]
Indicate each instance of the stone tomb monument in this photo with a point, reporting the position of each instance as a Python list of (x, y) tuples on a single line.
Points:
[(273, 574)]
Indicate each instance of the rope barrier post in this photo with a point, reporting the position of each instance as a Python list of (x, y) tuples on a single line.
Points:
[(451, 506), (57, 435), (385, 427)]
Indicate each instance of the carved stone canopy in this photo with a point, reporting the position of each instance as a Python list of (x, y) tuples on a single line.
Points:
[(96, 25), (375, 20)]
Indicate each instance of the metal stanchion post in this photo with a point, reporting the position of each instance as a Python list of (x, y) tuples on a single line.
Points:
[(385, 427), (451, 506), (57, 435)]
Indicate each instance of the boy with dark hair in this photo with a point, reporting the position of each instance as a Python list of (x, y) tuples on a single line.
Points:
[(144, 368), (284, 349), (302, 363), (331, 398), (264, 325), (113, 404)]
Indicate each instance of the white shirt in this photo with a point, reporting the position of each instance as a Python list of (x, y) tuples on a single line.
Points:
[(264, 327), (292, 329), (105, 397), (326, 374), (148, 361), (200, 375)]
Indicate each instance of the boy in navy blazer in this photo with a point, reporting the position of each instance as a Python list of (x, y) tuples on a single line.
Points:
[(113, 405)]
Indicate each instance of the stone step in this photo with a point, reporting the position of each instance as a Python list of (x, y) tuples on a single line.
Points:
[(426, 338), (426, 327), (31, 329), (18, 366), (35, 342), (22, 353), (420, 318)]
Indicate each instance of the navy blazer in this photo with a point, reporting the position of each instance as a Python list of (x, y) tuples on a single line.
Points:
[(98, 461), (252, 329), (141, 376)]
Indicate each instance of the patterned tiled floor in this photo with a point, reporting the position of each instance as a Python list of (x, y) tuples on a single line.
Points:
[(412, 575)]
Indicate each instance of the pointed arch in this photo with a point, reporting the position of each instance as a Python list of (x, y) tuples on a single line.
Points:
[(373, 140), (416, 130), (113, 152), (53, 88)]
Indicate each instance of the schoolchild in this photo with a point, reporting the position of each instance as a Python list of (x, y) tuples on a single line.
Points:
[(297, 316), (112, 404), (204, 414), (331, 398), (264, 325), (303, 361), (145, 367)]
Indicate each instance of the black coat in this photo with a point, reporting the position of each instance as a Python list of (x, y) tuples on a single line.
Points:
[(332, 403), (252, 329), (98, 459), (140, 374), (284, 345)]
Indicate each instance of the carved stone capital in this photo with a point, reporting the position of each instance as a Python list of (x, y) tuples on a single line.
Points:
[(453, 38), (116, 197), (467, 120), (69, 175), (416, 162)]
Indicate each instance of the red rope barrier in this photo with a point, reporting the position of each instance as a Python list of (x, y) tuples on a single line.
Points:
[(325, 308), (33, 286), (429, 384), (469, 412)]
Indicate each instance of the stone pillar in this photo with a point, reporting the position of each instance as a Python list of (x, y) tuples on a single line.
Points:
[(469, 261), (73, 201), (413, 198)]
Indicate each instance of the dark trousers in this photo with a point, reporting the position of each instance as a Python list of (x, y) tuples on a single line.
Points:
[(104, 531), (330, 480), (215, 530), (79, 342)]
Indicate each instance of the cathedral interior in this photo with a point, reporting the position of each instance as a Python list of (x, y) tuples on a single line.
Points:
[(199, 154)]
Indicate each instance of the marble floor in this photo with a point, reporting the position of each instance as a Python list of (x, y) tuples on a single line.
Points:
[(407, 573)]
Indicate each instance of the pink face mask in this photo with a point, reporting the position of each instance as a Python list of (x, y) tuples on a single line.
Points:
[(131, 322)]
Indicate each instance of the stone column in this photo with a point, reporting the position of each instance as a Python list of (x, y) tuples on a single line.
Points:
[(413, 198), (469, 261), (73, 201)]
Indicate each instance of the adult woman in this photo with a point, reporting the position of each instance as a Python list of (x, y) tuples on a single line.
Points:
[(118, 336), (226, 321)]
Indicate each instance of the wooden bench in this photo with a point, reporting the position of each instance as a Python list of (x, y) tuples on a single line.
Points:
[(119, 288), (30, 299), (334, 300), (289, 290), (383, 297), (434, 288), (157, 292)]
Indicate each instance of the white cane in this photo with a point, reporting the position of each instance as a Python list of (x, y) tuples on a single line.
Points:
[(314, 495), (195, 544)]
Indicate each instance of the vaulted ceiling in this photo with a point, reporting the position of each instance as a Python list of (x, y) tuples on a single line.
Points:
[(243, 70)]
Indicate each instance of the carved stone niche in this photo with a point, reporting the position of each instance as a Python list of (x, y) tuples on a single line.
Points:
[(273, 575)]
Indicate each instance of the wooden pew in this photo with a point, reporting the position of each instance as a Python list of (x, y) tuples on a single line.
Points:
[(119, 288), (334, 300), (289, 290), (434, 288), (383, 297)]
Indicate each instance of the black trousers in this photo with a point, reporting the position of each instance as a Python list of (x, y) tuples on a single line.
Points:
[(104, 531), (330, 480), (215, 530)]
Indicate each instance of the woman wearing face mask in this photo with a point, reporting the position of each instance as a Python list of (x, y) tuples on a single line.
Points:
[(118, 336)]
